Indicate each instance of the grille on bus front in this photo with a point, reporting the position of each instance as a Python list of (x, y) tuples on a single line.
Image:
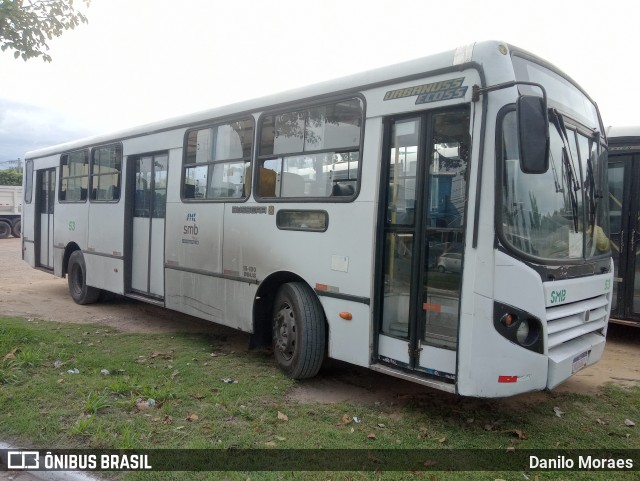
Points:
[(571, 321)]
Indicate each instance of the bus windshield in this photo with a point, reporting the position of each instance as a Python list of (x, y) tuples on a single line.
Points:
[(558, 215)]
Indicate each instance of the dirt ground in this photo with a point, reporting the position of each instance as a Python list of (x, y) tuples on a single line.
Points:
[(26, 292)]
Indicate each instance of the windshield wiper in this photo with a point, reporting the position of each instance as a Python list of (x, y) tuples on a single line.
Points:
[(573, 198), (567, 161), (592, 193)]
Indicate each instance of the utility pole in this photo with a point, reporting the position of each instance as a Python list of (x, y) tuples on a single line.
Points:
[(11, 164)]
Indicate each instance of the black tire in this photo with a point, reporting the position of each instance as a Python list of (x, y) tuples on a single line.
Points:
[(77, 280), (5, 229), (299, 335), (441, 269), (16, 230)]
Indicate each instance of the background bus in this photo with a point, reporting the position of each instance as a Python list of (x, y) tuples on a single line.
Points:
[(624, 206), (320, 221)]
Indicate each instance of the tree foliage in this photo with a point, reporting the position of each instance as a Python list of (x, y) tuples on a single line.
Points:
[(27, 25), (10, 177)]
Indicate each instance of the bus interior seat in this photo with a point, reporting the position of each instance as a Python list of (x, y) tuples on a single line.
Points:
[(224, 189), (113, 193), (341, 189), (189, 191), (291, 185), (267, 179)]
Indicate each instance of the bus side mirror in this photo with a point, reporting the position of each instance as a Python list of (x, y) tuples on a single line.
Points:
[(533, 134)]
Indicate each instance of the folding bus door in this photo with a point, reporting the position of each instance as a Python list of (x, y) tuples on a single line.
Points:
[(421, 229), (149, 206), (45, 201)]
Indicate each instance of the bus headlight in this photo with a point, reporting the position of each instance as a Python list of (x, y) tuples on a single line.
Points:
[(522, 333), (518, 326)]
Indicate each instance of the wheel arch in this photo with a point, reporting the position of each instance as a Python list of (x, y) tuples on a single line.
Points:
[(263, 307), (70, 249)]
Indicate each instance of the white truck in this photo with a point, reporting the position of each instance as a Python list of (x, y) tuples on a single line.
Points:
[(10, 211)]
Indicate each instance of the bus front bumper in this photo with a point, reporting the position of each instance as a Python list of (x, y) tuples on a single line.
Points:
[(573, 356)]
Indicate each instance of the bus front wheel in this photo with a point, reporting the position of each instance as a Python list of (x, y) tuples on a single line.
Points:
[(77, 280), (298, 331)]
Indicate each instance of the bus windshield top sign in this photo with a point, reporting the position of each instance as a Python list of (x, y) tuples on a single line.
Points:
[(433, 92)]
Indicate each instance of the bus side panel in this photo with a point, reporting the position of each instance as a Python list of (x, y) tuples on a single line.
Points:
[(194, 237), (106, 237), (71, 225), (58, 258), (348, 340), (104, 272), (215, 299), (340, 257), (156, 142), (106, 228), (379, 103), (29, 254)]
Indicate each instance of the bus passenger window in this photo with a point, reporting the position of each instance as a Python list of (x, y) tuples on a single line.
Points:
[(216, 161), (316, 152), (189, 191), (106, 167), (74, 176)]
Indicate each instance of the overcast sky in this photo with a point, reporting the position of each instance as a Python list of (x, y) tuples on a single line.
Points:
[(140, 61)]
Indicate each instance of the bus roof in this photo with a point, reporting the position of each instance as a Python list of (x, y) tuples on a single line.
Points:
[(389, 74)]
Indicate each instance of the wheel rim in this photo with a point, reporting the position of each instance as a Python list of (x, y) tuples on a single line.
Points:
[(284, 332)]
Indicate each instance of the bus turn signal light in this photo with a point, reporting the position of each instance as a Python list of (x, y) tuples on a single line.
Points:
[(346, 315), (508, 319)]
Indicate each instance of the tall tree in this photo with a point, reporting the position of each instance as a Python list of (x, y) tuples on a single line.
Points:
[(27, 25)]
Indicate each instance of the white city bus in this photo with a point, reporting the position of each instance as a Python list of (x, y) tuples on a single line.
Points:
[(432, 220), (624, 209)]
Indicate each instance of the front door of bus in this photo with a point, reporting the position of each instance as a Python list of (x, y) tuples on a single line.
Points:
[(624, 207), (149, 205), (45, 201), (424, 187)]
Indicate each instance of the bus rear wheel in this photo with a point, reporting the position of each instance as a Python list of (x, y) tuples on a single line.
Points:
[(77, 280), (299, 335)]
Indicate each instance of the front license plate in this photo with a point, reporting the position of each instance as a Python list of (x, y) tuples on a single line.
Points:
[(579, 362)]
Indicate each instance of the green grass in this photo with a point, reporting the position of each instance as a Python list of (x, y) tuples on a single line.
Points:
[(167, 391)]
